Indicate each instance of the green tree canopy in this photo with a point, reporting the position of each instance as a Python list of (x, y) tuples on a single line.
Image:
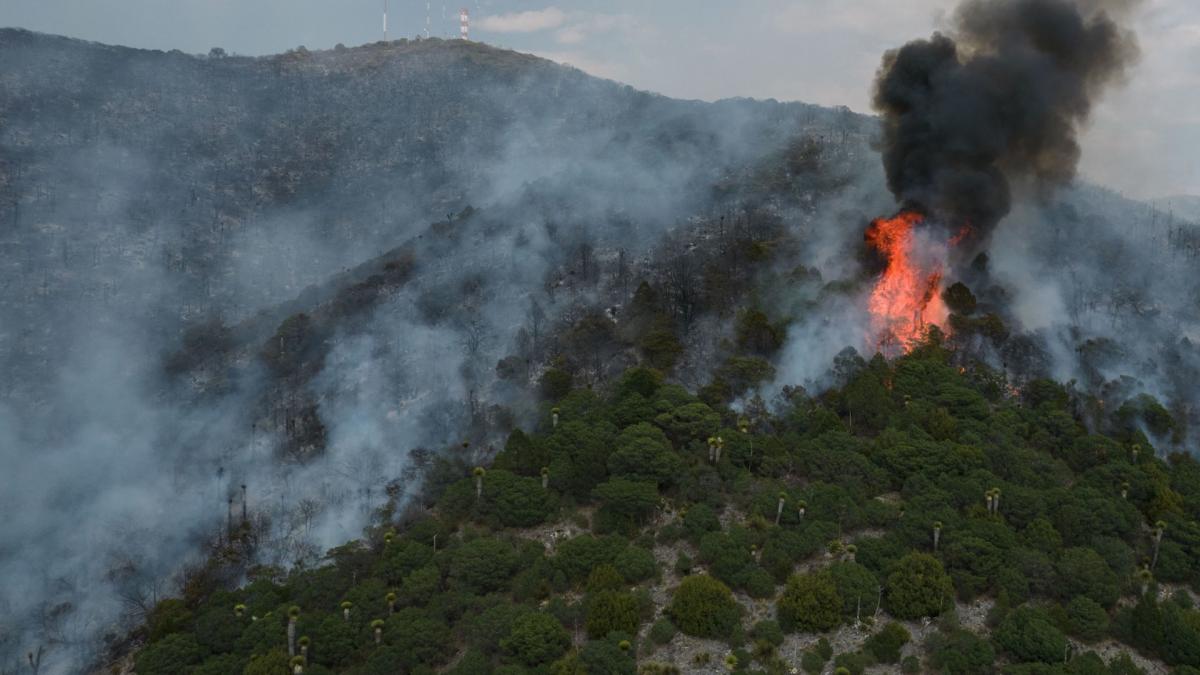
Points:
[(1029, 634), (704, 607), (918, 587), (175, 653), (482, 565), (536, 638), (810, 603)]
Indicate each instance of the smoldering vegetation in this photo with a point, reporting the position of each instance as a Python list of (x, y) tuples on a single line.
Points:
[(245, 301), (333, 277)]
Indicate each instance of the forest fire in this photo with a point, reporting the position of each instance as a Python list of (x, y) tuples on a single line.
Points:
[(907, 296)]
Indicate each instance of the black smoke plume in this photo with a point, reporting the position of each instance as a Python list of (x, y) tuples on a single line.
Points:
[(998, 101)]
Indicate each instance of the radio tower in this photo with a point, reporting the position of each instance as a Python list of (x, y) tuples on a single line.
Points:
[(427, 18), (464, 24), (385, 20)]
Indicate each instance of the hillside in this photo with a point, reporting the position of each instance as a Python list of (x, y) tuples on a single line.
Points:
[(273, 271), (258, 316), (1185, 206), (236, 182), (919, 518)]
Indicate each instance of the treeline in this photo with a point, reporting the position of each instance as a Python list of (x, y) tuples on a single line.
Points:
[(947, 487)]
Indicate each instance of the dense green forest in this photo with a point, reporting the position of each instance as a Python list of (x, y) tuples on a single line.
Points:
[(921, 517)]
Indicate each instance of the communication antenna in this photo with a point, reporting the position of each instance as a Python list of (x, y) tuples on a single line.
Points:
[(427, 18), (464, 21), (385, 3)]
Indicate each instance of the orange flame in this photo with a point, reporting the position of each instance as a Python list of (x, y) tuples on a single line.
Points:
[(907, 297)]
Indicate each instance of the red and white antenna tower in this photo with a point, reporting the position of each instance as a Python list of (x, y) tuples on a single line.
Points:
[(464, 24)]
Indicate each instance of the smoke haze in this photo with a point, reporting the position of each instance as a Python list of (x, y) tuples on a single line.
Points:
[(999, 100), (148, 198)]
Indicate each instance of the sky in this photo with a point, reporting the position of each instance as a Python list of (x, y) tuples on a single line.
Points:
[(1144, 141)]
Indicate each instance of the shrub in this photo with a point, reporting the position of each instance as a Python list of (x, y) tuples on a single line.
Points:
[(487, 626), (810, 603), (960, 652), (168, 616), (699, 520), (578, 556), (769, 631), (609, 611), (885, 645), (663, 631), (536, 638), (854, 663), (757, 582), (704, 607), (607, 657), (812, 662), (1081, 571), (858, 587), (221, 664), (604, 578), (420, 638), (515, 501), (636, 564), (270, 663), (824, 649), (556, 384), (1086, 619), (175, 653), (1028, 634), (918, 587), (483, 565)]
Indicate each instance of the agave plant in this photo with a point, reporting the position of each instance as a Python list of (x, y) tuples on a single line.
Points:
[(1159, 528), (992, 498), (478, 473), (293, 616), (744, 427), (1145, 577)]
